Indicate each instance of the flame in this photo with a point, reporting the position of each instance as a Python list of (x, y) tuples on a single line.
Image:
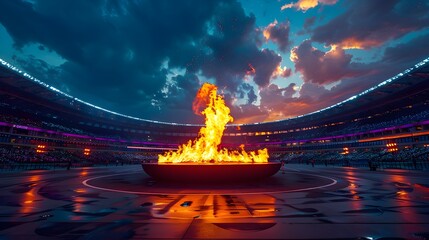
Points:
[(203, 98), (205, 149)]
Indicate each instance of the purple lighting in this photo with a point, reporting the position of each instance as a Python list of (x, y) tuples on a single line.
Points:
[(76, 135), (162, 144)]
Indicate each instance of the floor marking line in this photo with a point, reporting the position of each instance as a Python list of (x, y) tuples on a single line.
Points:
[(85, 182)]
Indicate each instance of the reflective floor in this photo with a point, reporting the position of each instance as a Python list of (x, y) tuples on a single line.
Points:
[(301, 203)]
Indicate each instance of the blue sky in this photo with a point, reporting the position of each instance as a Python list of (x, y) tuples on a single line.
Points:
[(270, 59)]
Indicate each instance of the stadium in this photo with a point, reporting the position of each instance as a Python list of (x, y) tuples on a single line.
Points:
[(215, 119), (44, 129), (386, 124)]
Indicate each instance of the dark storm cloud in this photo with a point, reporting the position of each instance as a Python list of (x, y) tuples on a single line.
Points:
[(370, 23), (148, 58), (247, 113), (415, 50), (176, 103), (265, 64), (277, 103), (248, 93), (115, 50), (273, 97), (324, 67), (279, 34), (233, 46), (309, 22), (39, 67), (313, 97)]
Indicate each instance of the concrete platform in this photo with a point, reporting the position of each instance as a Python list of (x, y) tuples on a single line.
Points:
[(303, 203)]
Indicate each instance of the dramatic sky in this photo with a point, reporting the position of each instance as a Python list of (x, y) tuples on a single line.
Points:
[(271, 59)]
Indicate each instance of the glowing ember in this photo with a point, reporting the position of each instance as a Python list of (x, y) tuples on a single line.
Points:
[(205, 149)]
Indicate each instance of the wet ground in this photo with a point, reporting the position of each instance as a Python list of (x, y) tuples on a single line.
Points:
[(303, 203)]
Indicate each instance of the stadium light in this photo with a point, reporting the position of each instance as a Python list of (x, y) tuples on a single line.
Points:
[(86, 151)]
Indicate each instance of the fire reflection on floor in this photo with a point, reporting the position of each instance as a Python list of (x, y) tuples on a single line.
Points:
[(361, 204)]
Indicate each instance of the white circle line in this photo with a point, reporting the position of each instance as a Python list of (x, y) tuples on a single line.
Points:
[(85, 182)]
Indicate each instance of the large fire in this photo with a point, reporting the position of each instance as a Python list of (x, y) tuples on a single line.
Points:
[(205, 149)]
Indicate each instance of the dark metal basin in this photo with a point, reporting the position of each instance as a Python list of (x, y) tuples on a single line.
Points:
[(191, 172)]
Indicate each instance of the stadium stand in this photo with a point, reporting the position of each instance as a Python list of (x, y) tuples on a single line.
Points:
[(386, 126)]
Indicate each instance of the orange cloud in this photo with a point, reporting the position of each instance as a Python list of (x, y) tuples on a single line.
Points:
[(322, 67), (278, 33), (281, 72), (293, 54), (267, 30), (304, 5), (354, 43)]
